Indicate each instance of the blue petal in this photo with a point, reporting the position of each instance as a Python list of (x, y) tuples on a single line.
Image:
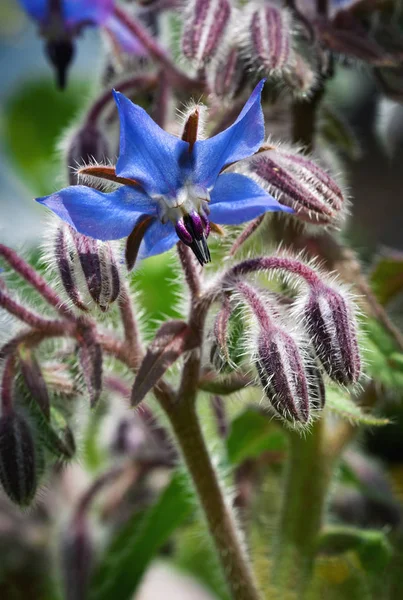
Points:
[(158, 238), (236, 199), (148, 154), (239, 141), (96, 214), (74, 11), (125, 38)]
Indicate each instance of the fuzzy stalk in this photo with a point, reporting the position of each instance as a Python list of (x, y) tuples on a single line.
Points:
[(307, 477)]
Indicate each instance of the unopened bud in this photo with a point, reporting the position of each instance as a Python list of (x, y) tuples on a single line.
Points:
[(300, 183), (283, 374), (301, 77), (18, 458), (87, 268), (330, 322), (227, 73), (205, 25), (76, 554), (88, 144), (34, 381), (268, 38)]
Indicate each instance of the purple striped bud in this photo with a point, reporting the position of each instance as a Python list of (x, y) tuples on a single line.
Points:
[(300, 183), (87, 145), (34, 381), (87, 268), (283, 374), (18, 458), (227, 73), (192, 230), (330, 322), (205, 26), (268, 38)]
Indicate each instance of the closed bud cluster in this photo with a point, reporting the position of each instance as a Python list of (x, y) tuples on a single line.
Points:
[(87, 268), (18, 458), (205, 25), (87, 145), (299, 182), (267, 38), (330, 322)]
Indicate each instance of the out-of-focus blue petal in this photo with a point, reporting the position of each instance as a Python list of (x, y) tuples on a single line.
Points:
[(158, 239), (74, 11), (96, 214), (239, 141), (236, 199), (125, 38), (157, 160)]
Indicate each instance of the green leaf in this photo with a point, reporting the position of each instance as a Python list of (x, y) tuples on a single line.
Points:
[(253, 433), (343, 406), (338, 133), (384, 361), (372, 546), (387, 277), (132, 549)]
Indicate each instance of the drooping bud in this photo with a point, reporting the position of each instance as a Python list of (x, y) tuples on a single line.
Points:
[(18, 458), (87, 268), (60, 53), (283, 375), (205, 25), (76, 557), (268, 38), (88, 144), (227, 73), (300, 183), (330, 322)]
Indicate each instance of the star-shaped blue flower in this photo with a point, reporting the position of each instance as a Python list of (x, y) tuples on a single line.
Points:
[(60, 21), (177, 187)]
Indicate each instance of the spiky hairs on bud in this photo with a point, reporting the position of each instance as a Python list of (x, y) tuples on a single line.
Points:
[(204, 29), (329, 320), (299, 182), (226, 74), (18, 459)]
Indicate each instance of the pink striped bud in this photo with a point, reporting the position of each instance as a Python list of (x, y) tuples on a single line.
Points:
[(227, 73), (205, 26), (330, 322), (268, 38), (283, 374), (87, 269), (299, 182)]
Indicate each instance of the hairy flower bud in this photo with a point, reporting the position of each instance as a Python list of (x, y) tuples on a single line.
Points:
[(330, 322), (227, 73), (18, 458), (34, 381), (87, 144), (87, 268), (268, 38), (300, 183), (205, 25), (283, 374)]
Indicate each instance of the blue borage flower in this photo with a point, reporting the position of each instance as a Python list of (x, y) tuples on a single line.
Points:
[(62, 20), (174, 186)]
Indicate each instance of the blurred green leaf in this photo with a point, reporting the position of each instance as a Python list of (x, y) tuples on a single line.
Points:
[(384, 361), (337, 132), (135, 545), (34, 119), (251, 434), (343, 406), (387, 277)]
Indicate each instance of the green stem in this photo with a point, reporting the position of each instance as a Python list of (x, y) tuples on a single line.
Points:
[(307, 479), (220, 518)]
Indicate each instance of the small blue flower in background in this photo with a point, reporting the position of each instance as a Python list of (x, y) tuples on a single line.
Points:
[(179, 188), (60, 21)]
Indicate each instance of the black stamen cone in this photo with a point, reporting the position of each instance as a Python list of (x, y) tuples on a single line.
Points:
[(199, 245), (60, 53)]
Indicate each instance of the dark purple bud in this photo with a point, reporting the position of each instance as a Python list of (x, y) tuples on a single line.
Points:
[(269, 38), (300, 183), (205, 25), (227, 73), (34, 381), (87, 268), (330, 322), (283, 374), (192, 230), (18, 458), (76, 554), (88, 144), (60, 53)]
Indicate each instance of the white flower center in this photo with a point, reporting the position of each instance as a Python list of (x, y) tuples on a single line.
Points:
[(189, 198)]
